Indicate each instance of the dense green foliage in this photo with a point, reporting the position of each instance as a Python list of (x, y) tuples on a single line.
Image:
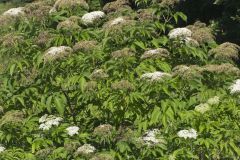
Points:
[(102, 83)]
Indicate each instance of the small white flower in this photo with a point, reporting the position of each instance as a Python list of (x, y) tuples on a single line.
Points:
[(235, 88), (150, 137), (15, 12), (47, 121), (191, 133), (159, 52), (90, 18), (72, 130), (57, 52), (52, 122), (117, 21), (191, 42), (202, 108), (213, 101), (43, 118), (153, 51), (99, 74), (185, 68), (44, 126), (182, 33), (2, 148), (155, 76), (86, 149)]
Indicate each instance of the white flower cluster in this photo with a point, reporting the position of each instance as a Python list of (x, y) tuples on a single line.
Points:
[(184, 34), (92, 17), (47, 121), (214, 100), (191, 133), (72, 130), (2, 148), (86, 149), (55, 52), (152, 51), (190, 41), (204, 107), (117, 21), (185, 68), (155, 76), (181, 33), (150, 137), (235, 88), (14, 12), (159, 52), (99, 74)]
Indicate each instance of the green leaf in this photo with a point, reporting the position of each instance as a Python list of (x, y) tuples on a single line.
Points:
[(12, 68), (82, 83), (33, 147), (181, 15), (170, 113), (60, 106), (20, 99), (123, 147), (163, 40), (175, 16), (29, 140), (235, 148), (140, 44), (218, 1), (155, 115), (48, 104), (155, 42)]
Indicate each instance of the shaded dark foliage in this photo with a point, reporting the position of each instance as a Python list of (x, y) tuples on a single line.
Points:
[(225, 15)]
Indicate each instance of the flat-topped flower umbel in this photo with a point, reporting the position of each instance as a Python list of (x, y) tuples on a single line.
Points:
[(14, 12), (235, 88), (191, 133), (155, 76), (72, 130), (48, 121), (57, 52), (156, 53), (2, 148), (202, 108), (92, 17), (151, 137), (85, 149), (181, 33)]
